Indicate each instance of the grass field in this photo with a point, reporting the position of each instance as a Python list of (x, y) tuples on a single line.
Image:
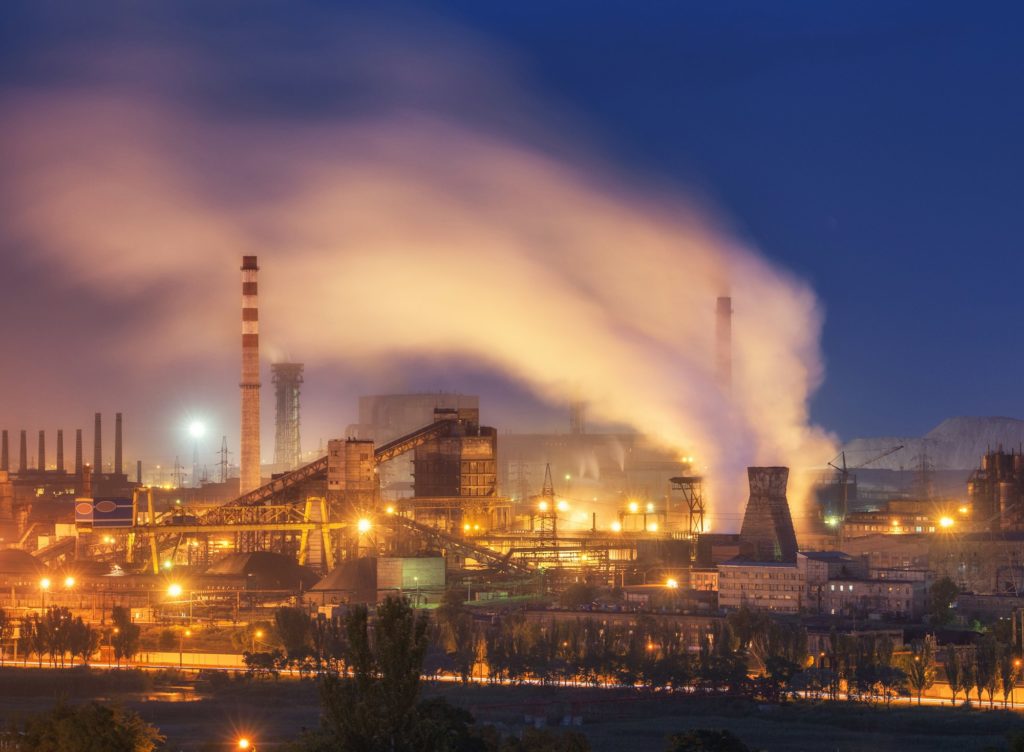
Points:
[(197, 716)]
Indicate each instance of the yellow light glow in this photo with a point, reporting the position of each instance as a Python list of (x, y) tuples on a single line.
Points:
[(650, 507), (543, 506), (363, 526), (174, 590), (946, 521), (188, 632), (259, 634), (671, 583), (390, 510), (476, 527), (244, 743), (653, 527), (168, 564), (69, 581), (466, 527), (964, 510), (562, 505), (634, 507), (895, 523), (45, 583), (616, 527)]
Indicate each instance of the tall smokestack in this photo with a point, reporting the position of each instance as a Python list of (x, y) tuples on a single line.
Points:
[(250, 384), (723, 343), (60, 450), (138, 472), (23, 459), (97, 446), (5, 457), (117, 444), (78, 452), (42, 450)]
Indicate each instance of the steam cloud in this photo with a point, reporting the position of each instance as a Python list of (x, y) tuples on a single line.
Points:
[(389, 232)]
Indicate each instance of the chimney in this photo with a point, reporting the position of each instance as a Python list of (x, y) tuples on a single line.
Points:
[(78, 452), (23, 459), (42, 450), (86, 482), (723, 343), (138, 472), (250, 384), (767, 533), (117, 444), (5, 457), (60, 450), (97, 446)]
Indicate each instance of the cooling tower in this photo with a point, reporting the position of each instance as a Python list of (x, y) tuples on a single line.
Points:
[(767, 533)]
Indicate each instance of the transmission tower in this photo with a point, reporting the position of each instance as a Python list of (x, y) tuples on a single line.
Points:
[(223, 463), (547, 511)]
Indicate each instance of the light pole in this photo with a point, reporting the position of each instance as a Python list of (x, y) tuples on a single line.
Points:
[(181, 645), (258, 634)]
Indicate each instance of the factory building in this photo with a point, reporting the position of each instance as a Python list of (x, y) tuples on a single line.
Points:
[(996, 490)]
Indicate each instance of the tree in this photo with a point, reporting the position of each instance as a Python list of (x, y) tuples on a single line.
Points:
[(576, 595), (920, 666), (546, 740), (83, 640), (940, 600), (1009, 672), (987, 667), (126, 634), (706, 740), (87, 728), (375, 707), (6, 633), (457, 632), (293, 629), (954, 671)]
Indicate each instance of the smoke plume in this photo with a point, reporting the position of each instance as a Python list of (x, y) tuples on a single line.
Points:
[(429, 227)]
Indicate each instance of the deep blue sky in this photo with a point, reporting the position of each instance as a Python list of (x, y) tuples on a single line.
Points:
[(875, 149)]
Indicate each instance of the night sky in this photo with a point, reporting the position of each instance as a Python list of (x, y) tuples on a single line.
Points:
[(873, 149)]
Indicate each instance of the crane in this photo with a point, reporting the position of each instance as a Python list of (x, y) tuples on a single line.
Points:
[(844, 474)]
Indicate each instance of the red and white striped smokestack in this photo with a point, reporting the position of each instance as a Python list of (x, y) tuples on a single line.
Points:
[(250, 385), (723, 343)]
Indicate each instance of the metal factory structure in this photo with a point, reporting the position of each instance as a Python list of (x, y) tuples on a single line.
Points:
[(287, 378), (996, 490)]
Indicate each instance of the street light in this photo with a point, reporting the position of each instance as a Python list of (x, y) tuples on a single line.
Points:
[(363, 525), (174, 590), (671, 583), (181, 645), (69, 582), (244, 743), (257, 635)]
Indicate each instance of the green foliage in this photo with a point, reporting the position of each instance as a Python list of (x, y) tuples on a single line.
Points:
[(86, 728), (6, 633), (940, 600), (576, 595), (919, 666), (125, 639), (293, 629), (706, 740), (168, 640)]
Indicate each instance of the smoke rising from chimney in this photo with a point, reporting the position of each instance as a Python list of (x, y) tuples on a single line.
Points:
[(558, 272)]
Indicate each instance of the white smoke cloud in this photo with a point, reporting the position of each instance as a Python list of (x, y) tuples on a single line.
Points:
[(413, 232)]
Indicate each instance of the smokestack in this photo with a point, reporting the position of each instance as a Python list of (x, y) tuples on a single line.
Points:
[(723, 343), (138, 472), (42, 450), (60, 450), (78, 452), (86, 482), (117, 444), (23, 459), (5, 457), (97, 445), (250, 384)]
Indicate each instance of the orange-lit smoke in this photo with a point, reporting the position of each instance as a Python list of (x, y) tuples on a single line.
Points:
[(417, 235)]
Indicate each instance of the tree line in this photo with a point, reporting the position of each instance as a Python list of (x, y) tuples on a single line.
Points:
[(59, 638)]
